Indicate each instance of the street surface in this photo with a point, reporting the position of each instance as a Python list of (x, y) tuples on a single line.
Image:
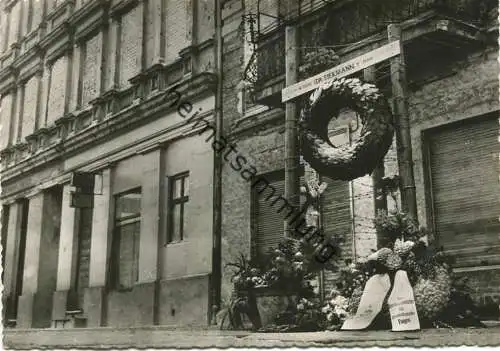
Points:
[(161, 337)]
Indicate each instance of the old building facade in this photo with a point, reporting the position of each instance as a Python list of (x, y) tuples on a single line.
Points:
[(107, 88), (452, 97), (114, 89)]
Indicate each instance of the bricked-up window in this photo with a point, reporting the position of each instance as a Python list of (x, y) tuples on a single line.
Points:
[(15, 16), (178, 198), (90, 70), (126, 239), (57, 90), (6, 120), (28, 16), (130, 45), (178, 20), (29, 107), (36, 13), (3, 20)]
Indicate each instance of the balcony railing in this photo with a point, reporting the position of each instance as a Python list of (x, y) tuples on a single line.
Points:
[(347, 22)]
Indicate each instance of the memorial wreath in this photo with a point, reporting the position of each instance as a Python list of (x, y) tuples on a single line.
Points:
[(350, 161)]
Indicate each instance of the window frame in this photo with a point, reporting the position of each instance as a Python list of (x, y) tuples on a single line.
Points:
[(117, 240), (176, 201)]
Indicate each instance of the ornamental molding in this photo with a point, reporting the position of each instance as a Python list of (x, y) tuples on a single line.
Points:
[(61, 141)]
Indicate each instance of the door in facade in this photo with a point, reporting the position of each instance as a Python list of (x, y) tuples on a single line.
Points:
[(5, 221), (463, 160), (11, 308)]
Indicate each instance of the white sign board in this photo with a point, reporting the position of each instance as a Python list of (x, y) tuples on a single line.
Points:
[(343, 70), (402, 304), (373, 297)]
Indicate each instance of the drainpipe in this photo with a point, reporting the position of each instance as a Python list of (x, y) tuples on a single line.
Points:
[(216, 278), (402, 119), (291, 122), (352, 203), (379, 197)]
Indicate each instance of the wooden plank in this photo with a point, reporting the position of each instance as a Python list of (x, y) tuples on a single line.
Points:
[(343, 70)]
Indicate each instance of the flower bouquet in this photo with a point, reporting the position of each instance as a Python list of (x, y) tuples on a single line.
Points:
[(429, 273)]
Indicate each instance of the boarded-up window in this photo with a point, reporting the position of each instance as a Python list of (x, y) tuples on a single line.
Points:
[(6, 121), (270, 211), (29, 107), (126, 238), (464, 178), (91, 69), (131, 45), (57, 90)]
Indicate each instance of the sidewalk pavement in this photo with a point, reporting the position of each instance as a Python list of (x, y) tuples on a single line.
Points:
[(158, 337)]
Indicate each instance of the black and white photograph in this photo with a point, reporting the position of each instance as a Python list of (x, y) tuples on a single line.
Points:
[(179, 174)]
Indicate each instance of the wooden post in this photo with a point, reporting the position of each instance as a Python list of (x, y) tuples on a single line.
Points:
[(379, 197), (402, 121), (291, 123), (216, 277)]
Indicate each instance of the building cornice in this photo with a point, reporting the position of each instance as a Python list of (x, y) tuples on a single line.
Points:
[(7, 80), (121, 7), (89, 20), (55, 145)]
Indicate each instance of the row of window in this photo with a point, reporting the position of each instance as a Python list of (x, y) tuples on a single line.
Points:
[(24, 16), (19, 20), (72, 81), (127, 228), (125, 236)]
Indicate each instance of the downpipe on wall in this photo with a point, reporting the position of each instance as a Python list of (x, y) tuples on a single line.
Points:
[(216, 276)]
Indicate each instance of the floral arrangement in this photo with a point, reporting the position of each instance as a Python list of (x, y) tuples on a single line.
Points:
[(246, 275), (336, 310), (286, 265), (309, 316), (290, 265), (289, 268), (440, 298), (303, 315), (437, 293)]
